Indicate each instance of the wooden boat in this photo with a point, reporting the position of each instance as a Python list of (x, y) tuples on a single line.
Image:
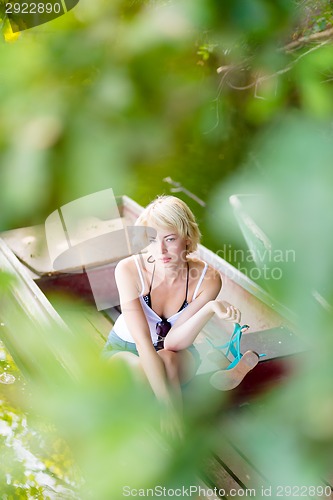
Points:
[(23, 252), (270, 330)]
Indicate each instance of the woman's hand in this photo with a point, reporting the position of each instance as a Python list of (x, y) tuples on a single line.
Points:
[(226, 311)]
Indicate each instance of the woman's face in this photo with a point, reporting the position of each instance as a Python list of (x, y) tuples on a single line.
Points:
[(167, 247)]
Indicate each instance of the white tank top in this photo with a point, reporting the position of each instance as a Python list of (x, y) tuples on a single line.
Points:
[(120, 327)]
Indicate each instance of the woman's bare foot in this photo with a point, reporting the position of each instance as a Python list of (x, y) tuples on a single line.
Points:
[(218, 358), (225, 380)]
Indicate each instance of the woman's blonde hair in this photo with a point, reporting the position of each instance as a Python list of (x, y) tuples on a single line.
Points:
[(171, 212)]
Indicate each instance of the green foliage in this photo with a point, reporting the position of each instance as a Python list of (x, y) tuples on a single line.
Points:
[(316, 16), (33, 462), (122, 94)]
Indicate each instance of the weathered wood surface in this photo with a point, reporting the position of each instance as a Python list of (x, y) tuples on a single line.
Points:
[(24, 305), (234, 465), (30, 246)]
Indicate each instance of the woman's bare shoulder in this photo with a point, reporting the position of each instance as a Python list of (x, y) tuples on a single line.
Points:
[(127, 278), (126, 266), (211, 272), (212, 279)]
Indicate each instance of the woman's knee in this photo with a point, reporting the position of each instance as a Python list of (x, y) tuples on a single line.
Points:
[(130, 359)]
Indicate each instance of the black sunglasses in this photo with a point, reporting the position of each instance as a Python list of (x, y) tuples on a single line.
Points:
[(162, 329)]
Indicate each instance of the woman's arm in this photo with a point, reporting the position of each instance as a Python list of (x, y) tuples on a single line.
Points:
[(198, 313), (137, 324), (182, 336)]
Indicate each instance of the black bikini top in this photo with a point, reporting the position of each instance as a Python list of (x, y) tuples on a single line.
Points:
[(147, 298)]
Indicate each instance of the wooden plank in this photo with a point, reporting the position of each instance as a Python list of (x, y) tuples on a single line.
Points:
[(237, 284), (30, 247), (273, 342), (100, 322), (243, 448), (243, 472), (220, 477), (27, 293), (270, 370), (89, 320), (112, 313), (206, 492), (25, 304)]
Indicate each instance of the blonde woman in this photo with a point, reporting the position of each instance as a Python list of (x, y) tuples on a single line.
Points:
[(166, 297)]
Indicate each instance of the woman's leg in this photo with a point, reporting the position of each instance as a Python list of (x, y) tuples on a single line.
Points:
[(180, 368), (132, 360)]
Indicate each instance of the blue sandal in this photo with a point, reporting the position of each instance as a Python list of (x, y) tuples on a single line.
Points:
[(232, 376), (233, 346)]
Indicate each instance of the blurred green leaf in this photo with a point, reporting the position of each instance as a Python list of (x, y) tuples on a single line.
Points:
[(122, 95)]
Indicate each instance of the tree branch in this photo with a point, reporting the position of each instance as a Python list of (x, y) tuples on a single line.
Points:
[(260, 79), (314, 37)]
